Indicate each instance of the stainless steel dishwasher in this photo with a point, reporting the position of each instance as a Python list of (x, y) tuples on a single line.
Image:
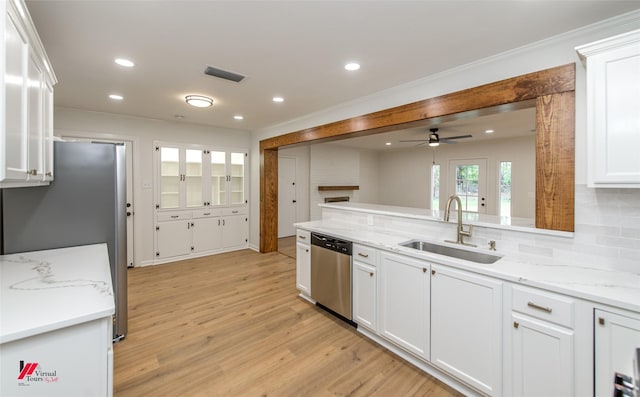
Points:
[(331, 273)]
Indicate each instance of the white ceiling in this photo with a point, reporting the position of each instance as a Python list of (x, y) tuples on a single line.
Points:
[(295, 49)]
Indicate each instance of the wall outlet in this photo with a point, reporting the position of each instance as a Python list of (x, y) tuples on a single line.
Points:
[(146, 184), (370, 220)]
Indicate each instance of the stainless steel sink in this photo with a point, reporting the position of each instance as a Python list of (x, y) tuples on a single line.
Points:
[(478, 257)]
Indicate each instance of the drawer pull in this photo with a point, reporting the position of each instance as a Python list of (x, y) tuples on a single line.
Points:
[(363, 255), (516, 324), (302, 237), (175, 216), (207, 213), (234, 212), (543, 308)]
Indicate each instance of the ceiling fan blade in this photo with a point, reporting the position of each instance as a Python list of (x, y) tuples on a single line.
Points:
[(447, 141), (416, 140), (458, 137)]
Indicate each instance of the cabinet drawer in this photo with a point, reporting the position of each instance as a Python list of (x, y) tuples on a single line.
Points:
[(303, 236), (173, 216), (364, 254), (206, 213), (234, 211), (544, 305)]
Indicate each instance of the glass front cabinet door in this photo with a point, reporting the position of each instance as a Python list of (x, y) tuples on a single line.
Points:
[(191, 177)]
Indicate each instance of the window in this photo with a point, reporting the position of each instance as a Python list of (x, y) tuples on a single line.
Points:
[(435, 186), (505, 189)]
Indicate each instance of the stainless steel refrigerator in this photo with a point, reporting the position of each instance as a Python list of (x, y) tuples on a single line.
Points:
[(84, 204)]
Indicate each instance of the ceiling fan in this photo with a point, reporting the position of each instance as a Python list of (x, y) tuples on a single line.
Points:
[(435, 140)]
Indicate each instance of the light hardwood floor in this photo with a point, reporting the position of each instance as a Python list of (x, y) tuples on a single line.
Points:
[(287, 246), (232, 325)]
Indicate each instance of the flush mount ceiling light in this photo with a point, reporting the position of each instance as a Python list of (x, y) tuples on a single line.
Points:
[(199, 101), (352, 66), (124, 62)]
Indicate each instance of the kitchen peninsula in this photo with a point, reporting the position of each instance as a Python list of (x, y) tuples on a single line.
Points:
[(56, 311), (534, 320)]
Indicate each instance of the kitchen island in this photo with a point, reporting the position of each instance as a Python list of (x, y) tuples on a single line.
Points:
[(56, 309), (544, 319)]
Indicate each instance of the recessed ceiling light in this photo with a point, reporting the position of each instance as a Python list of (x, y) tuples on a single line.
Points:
[(238, 117), (116, 97), (199, 101), (124, 62), (278, 99), (351, 66), (388, 143), (489, 131)]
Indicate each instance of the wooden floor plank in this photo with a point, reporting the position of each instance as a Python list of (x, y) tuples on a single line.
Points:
[(233, 325)]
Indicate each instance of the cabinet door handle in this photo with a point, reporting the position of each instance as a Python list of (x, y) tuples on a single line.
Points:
[(371, 274), (307, 250), (424, 270), (218, 222), (516, 324), (363, 255), (538, 307), (223, 223), (433, 272), (600, 320)]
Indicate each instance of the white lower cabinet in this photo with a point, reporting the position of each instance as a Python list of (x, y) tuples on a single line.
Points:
[(466, 338), (405, 302), (207, 234), (182, 233), (365, 287), (234, 231), (173, 235), (542, 358), (540, 344), (303, 262), (617, 335)]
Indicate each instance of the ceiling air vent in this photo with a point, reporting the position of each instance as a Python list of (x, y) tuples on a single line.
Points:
[(223, 74)]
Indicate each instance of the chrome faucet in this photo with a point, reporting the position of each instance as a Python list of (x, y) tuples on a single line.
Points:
[(461, 232)]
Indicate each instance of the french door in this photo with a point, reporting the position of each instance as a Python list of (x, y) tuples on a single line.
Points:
[(468, 180)]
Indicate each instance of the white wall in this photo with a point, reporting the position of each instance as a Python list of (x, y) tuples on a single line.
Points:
[(549, 53), (79, 123), (405, 179), (332, 165)]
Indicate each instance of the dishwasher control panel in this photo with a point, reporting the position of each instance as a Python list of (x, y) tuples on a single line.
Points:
[(331, 243)]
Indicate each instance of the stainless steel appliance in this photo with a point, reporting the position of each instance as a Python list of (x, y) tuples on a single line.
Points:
[(628, 385), (85, 204), (331, 273)]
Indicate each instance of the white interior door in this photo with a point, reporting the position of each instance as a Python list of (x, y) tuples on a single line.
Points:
[(468, 180), (286, 196)]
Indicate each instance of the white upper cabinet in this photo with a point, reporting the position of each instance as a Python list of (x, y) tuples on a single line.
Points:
[(613, 110), (192, 176), (26, 101)]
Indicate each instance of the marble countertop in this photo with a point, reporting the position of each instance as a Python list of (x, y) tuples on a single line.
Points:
[(610, 287), (43, 291)]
